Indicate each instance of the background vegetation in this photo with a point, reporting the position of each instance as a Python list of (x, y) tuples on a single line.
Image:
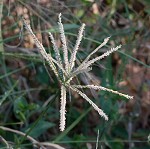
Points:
[(29, 100)]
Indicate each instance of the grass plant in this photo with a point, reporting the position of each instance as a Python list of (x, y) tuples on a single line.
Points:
[(65, 72)]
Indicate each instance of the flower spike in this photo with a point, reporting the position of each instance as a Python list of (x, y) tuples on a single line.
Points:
[(65, 72)]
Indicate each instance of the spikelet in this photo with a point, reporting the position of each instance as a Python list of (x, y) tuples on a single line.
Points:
[(101, 113), (104, 89), (79, 38), (55, 49), (102, 56), (58, 58), (75, 73), (90, 62), (62, 108), (47, 57), (59, 66), (100, 46), (64, 44)]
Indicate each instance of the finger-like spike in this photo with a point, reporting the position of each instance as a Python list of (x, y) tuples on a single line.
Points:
[(100, 46), (79, 38), (47, 57), (104, 89), (63, 40), (90, 62), (100, 111), (62, 108), (57, 54)]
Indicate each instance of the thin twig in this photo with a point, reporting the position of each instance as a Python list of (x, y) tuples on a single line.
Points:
[(41, 144), (4, 141), (97, 139), (1, 38)]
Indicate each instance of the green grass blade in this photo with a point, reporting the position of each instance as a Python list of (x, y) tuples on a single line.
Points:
[(15, 71), (64, 133), (8, 93), (37, 121)]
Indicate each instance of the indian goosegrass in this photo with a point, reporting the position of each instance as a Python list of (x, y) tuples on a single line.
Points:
[(66, 71)]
